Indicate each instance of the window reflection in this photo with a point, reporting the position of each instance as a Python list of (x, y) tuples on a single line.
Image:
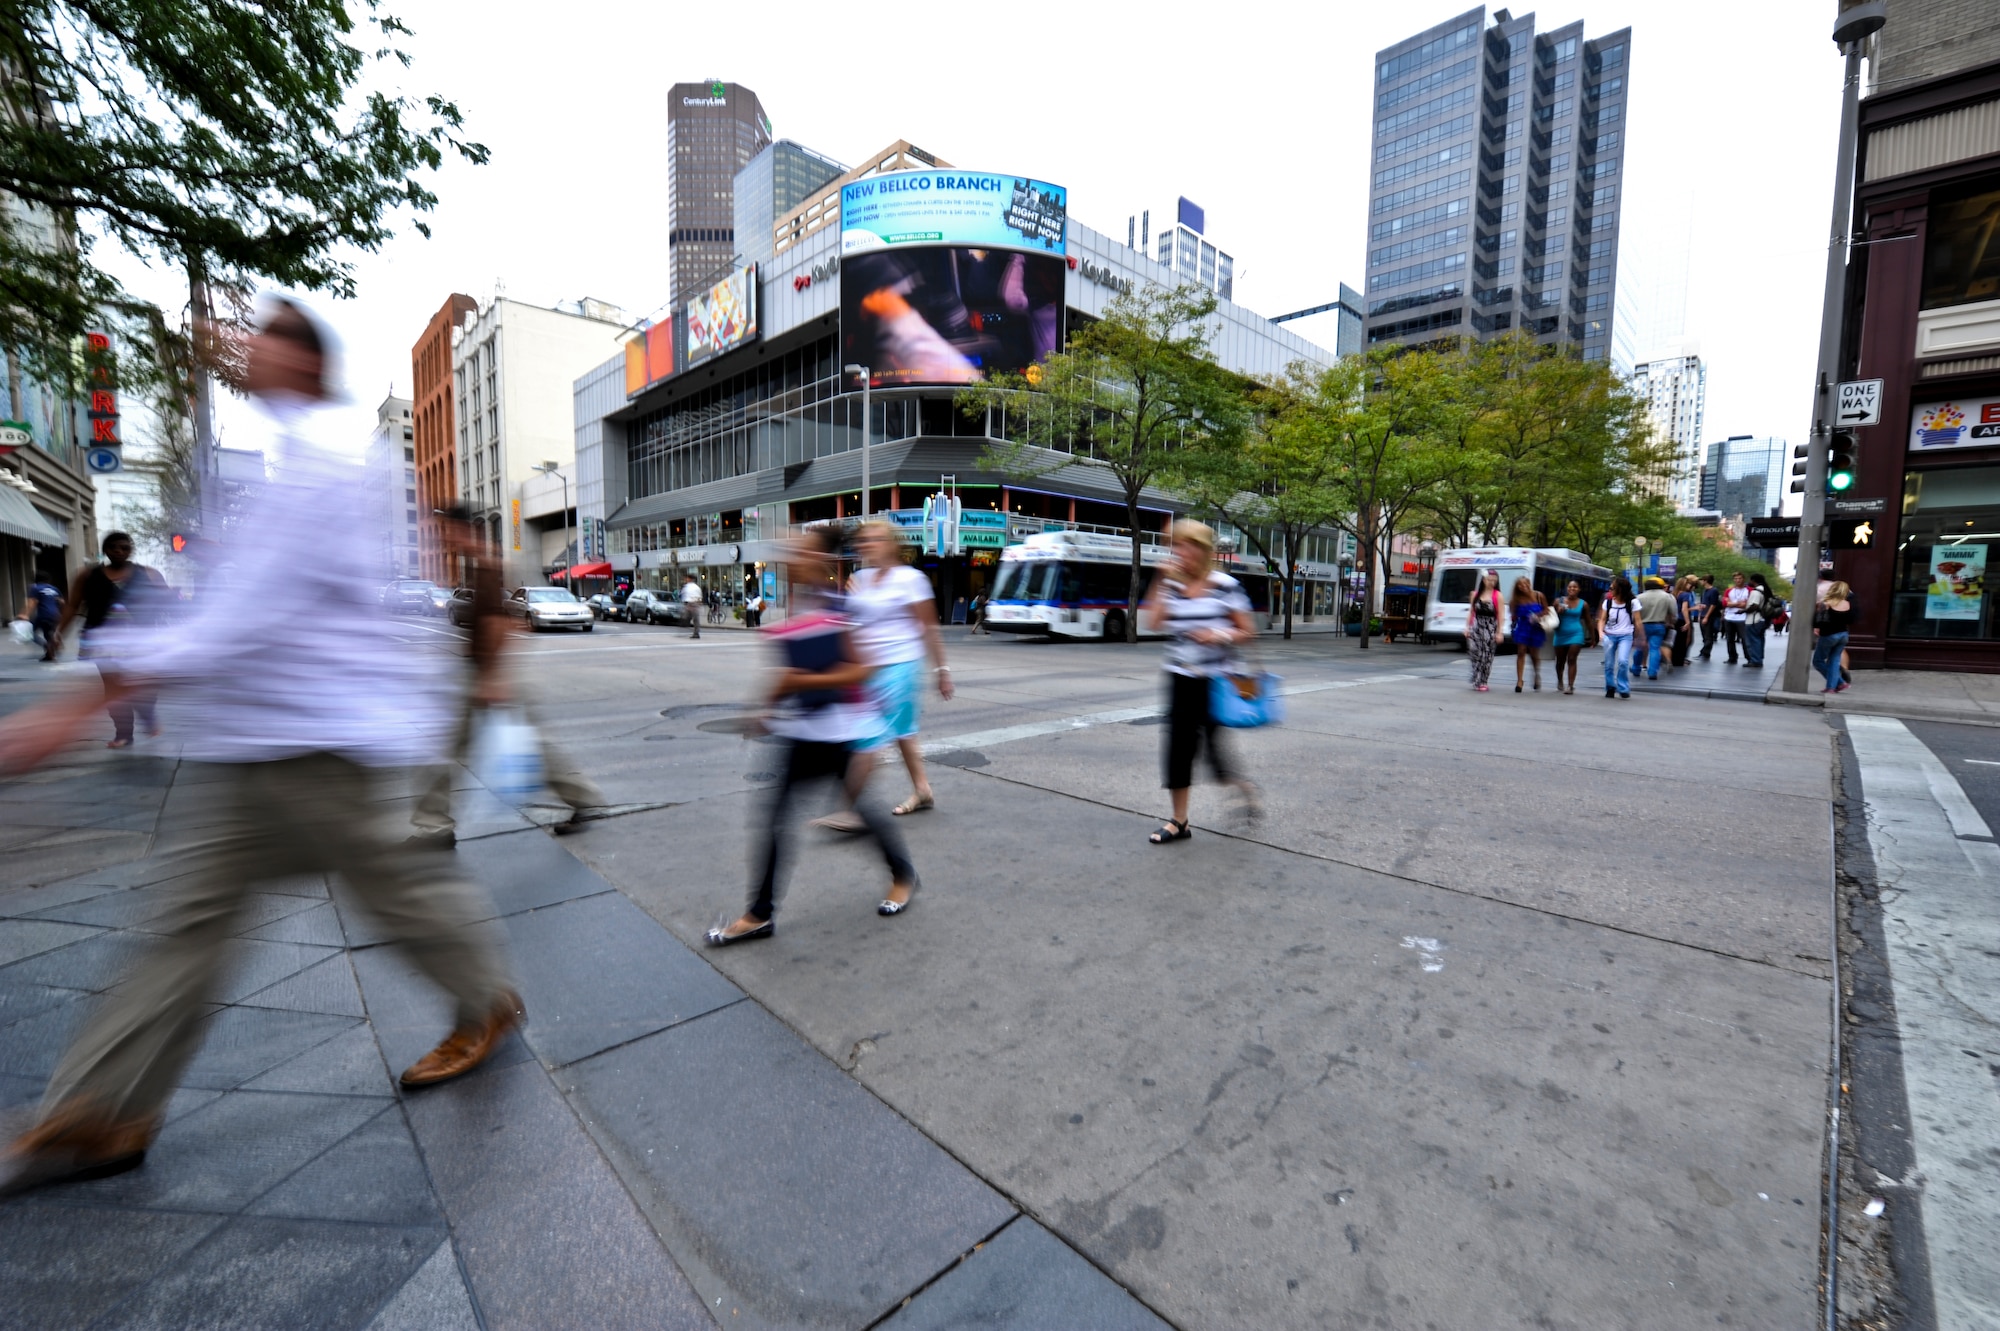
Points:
[(1962, 245)]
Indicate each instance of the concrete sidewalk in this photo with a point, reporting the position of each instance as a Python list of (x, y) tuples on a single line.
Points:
[(654, 1149), (1918, 695)]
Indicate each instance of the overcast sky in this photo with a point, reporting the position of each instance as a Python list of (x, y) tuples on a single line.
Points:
[(1259, 112)]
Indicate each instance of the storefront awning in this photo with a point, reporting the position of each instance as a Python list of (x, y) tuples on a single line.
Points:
[(20, 518), (597, 570)]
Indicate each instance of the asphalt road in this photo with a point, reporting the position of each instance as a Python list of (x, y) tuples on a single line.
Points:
[(1513, 1010)]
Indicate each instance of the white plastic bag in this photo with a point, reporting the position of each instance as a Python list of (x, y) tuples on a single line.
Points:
[(24, 633), (507, 754)]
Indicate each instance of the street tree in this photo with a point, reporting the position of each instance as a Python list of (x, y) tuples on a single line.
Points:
[(236, 141), (1128, 394)]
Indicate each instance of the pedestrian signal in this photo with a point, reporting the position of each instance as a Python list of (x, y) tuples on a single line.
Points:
[(179, 542), (1840, 462)]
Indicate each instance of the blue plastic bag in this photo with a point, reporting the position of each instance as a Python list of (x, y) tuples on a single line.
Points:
[(1229, 705)]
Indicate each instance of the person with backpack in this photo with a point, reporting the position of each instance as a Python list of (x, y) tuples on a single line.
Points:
[(1758, 611), (1710, 602), (1615, 627), (1482, 627)]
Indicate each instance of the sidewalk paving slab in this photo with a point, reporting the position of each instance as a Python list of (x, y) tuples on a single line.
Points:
[(1024, 1279), (787, 1191)]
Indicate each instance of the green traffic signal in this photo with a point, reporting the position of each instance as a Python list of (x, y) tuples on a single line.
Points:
[(1840, 462)]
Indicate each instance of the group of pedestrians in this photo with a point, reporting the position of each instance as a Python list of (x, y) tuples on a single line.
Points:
[(1649, 631)]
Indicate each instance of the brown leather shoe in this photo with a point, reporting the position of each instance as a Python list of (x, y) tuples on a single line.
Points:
[(72, 1144), (467, 1047)]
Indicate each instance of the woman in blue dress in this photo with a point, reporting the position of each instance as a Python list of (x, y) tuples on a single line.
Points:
[(1529, 635), (1572, 634)]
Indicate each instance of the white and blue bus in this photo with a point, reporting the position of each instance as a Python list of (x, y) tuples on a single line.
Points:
[(1548, 571), (1074, 584)]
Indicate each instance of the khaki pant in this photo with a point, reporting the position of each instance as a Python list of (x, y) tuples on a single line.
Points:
[(559, 773), (314, 814)]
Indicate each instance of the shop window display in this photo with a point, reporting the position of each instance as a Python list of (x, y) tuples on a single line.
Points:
[(1950, 547)]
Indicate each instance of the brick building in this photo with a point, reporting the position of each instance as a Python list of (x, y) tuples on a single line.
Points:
[(436, 435)]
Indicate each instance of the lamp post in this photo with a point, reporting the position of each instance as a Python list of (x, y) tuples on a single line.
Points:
[(1854, 27), (569, 560), (867, 428)]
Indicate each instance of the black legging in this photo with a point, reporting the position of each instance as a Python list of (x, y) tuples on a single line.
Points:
[(804, 761), (1189, 727)]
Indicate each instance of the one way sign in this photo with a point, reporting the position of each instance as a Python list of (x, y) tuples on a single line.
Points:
[(1858, 402)]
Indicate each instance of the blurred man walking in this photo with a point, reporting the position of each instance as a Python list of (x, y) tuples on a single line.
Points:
[(304, 716), (691, 605)]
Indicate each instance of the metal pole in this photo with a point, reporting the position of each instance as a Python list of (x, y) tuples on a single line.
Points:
[(867, 429), (569, 552), (201, 319), (1854, 27)]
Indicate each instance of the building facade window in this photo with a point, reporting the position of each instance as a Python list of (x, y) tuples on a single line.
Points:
[(1950, 524), (1962, 245)]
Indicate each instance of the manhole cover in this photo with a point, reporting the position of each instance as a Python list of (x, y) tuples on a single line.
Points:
[(961, 758), (729, 725)]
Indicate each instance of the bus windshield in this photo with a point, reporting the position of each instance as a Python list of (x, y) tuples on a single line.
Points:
[(1040, 578), (1012, 575), (1455, 585)]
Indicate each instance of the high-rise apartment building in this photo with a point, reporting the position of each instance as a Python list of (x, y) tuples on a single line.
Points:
[(390, 484), (1194, 261), (1674, 389), (435, 437), (713, 130), (773, 185), (513, 368), (1494, 183)]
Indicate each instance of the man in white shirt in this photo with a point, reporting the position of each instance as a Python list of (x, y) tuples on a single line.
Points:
[(305, 713), (1735, 614), (691, 604)]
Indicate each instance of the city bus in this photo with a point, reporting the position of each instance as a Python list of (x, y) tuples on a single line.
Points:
[(1074, 584), (1548, 571)]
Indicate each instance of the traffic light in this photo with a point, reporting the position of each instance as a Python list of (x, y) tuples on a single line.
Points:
[(1840, 462), (179, 542), (1801, 455)]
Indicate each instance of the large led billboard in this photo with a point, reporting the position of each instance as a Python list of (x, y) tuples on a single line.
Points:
[(723, 317), (948, 314), (976, 209)]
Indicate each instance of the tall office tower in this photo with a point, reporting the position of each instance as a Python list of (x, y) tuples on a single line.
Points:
[(776, 181), (1674, 388), (1194, 260), (713, 130), (1745, 478), (1493, 188)]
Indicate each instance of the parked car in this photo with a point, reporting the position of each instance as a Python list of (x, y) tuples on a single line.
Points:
[(550, 608), (602, 606), (408, 596), (644, 607), (459, 608)]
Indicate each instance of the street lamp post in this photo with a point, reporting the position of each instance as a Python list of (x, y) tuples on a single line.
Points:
[(569, 558), (867, 429), (1854, 26)]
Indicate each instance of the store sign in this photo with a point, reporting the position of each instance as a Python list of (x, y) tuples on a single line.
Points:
[(1771, 533), (976, 209), (1102, 276), (1966, 422), (982, 529), (517, 523), (15, 434), (1958, 582), (820, 273), (103, 395), (104, 461)]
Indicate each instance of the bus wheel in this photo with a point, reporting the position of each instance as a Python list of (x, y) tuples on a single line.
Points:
[(1114, 626)]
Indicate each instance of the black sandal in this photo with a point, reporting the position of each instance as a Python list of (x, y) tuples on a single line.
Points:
[(1171, 831)]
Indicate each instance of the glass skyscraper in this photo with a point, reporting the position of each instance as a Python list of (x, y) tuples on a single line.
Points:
[(1494, 183)]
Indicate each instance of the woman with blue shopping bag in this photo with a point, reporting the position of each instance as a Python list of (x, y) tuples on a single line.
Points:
[(1206, 616)]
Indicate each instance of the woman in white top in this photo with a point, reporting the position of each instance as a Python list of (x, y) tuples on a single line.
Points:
[(1615, 625), (1207, 614), (896, 628)]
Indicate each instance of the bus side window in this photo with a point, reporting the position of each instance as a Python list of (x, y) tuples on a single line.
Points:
[(1072, 585), (1551, 583)]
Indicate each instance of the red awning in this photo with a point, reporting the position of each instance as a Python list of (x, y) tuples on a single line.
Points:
[(597, 570)]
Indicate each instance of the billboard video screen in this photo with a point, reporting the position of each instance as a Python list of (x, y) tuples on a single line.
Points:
[(977, 209), (723, 317), (948, 315)]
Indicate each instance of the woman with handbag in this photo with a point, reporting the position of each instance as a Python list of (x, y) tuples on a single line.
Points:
[(1528, 630), (1482, 627), (1205, 614)]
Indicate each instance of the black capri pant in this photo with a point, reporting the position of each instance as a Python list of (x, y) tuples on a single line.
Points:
[(1190, 727)]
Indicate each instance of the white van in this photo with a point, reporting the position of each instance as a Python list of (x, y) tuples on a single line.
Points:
[(1548, 571)]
